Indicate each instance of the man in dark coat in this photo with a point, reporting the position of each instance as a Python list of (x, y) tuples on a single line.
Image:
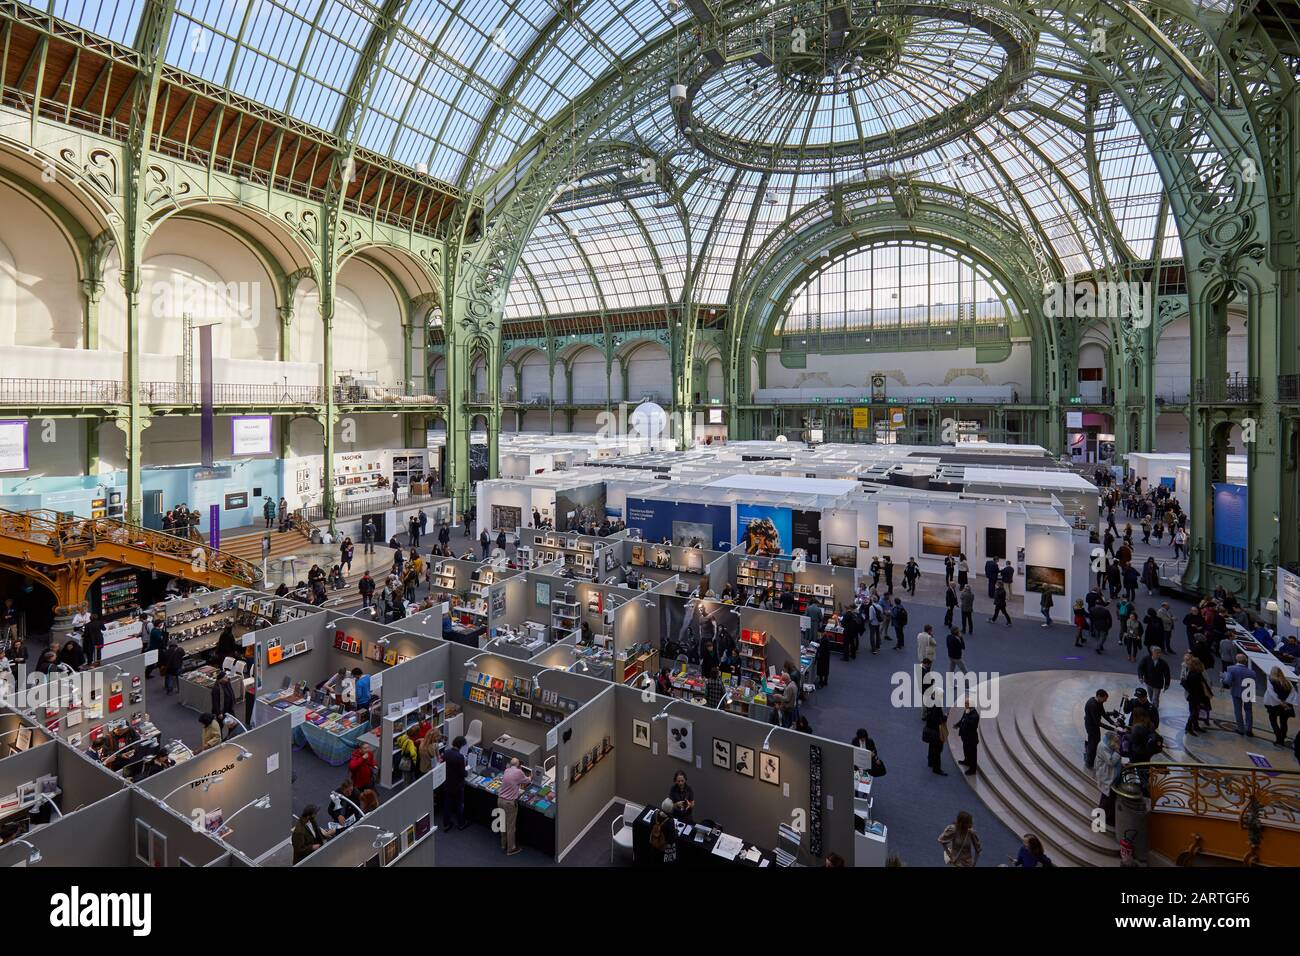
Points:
[(991, 573), (968, 731), (453, 787), (1093, 711), (223, 697)]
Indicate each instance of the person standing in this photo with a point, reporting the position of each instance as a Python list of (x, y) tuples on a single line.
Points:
[(413, 531), (1167, 620), (512, 783), (933, 734), (950, 603), (963, 571), (366, 587), (1007, 575), (898, 617), (1093, 713), (483, 542), (268, 511), (911, 571), (888, 568), (368, 532), (949, 568), (424, 521), (960, 842), (1279, 701), (875, 621), (453, 786), (991, 574), (1240, 678), (223, 696), (1045, 605), (1153, 672), (926, 646), (1198, 693), (823, 663), (852, 625), (1100, 621), (967, 610), (956, 649), (968, 731)]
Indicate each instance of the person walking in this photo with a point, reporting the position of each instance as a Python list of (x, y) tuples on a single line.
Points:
[(1153, 672), (911, 571), (963, 571), (852, 625), (1080, 622), (483, 542), (960, 842), (1000, 604), (1280, 701), (967, 610), (968, 732), (926, 646), (1045, 605), (1100, 622)]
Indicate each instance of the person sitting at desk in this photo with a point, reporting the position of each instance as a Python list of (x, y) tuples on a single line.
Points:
[(664, 683), (1289, 649), (211, 732), (156, 764), (683, 799), (307, 836)]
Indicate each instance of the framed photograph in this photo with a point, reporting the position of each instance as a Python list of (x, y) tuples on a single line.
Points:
[(158, 848), (23, 739), (526, 711), (842, 555), (142, 842), (1041, 578), (390, 850), (641, 733), (995, 542), (681, 738), (769, 766), (942, 540), (408, 837), (721, 753), (236, 501), (885, 536), (543, 596), (26, 794), (115, 687), (422, 826), (638, 554), (744, 760)]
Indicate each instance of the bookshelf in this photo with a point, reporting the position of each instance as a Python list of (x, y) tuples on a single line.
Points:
[(407, 469), (566, 616), (752, 651), (404, 720), (118, 594)]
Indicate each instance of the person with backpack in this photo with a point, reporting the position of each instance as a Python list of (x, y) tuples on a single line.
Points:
[(898, 617), (967, 610), (875, 620), (663, 832)]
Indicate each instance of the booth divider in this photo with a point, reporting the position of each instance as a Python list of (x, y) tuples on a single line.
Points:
[(584, 796), (407, 815)]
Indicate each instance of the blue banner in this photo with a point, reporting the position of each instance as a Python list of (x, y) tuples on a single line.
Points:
[(682, 523), (1230, 525), (764, 530)]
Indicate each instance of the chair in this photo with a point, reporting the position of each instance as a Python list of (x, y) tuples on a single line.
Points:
[(475, 734), (620, 830)]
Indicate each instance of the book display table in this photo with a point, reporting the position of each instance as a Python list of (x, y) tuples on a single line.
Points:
[(696, 846)]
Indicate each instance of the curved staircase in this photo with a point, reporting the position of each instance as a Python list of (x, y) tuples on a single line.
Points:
[(1029, 777)]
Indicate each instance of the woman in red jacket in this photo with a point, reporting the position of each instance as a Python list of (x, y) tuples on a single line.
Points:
[(362, 767)]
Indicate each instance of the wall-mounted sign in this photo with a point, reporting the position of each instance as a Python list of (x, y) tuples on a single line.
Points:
[(250, 435), (13, 444), (1074, 419)]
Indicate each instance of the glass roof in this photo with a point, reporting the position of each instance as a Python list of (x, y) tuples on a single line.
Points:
[(482, 76)]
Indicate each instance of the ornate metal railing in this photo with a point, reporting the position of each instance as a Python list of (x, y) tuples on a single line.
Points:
[(61, 391), (226, 393), (70, 537), (1288, 388), (1233, 391), (1225, 793)]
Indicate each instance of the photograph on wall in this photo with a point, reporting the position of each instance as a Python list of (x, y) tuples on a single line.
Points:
[(692, 534), (234, 502), (1040, 578), (543, 595), (641, 733), (681, 738), (506, 518), (942, 540), (686, 622), (764, 531), (770, 768), (995, 542), (638, 554), (885, 536), (721, 753), (577, 509), (744, 760), (842, 555), (693, 560)]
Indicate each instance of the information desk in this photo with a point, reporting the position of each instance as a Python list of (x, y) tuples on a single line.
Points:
[(330, 731), (535, 822), (696, 846), (196, 688)]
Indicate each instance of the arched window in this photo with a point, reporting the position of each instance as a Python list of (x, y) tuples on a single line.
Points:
[(896, 285)]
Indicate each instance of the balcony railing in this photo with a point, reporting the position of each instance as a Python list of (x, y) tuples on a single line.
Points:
[(1233, 391), (1288, 388), (225, 393), (409, 393), (61, 391)]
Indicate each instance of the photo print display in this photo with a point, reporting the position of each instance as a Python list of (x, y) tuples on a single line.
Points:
[(1041, 578), (681, 738), (842, 555), (721, 753), (641, 733), (769, 768), (744, 760), (942, 540)]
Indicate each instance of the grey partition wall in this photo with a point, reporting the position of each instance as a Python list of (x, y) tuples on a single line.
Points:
[(407, 815), (297, 666), (425, 623), (158, 836), (723, 747), (218, 781), (559, 654), (583, 798), (782, 633), (82, 780), (96, 836), (10, 724)]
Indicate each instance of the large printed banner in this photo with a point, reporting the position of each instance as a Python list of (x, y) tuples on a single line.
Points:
[(684, 524), (13, 444), (764, 530)]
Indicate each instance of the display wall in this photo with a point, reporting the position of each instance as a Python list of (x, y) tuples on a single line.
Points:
[(682, 523)]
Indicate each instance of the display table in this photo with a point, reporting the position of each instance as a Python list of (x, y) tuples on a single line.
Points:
[(469, 636), (330, 731), (695, 847), (1259, 656), (535, 823), (196, 688)]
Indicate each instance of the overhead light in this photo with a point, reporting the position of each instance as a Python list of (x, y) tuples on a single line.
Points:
[(422, 168), (677, 93)]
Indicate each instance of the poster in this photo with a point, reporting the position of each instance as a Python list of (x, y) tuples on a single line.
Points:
[(680, 522), (13, 445), (806, 533), (506, 518), (577, 509), (764, 530), (862, 418), (1230, 510), (842, 555), (1288, 600), (250, 435)]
